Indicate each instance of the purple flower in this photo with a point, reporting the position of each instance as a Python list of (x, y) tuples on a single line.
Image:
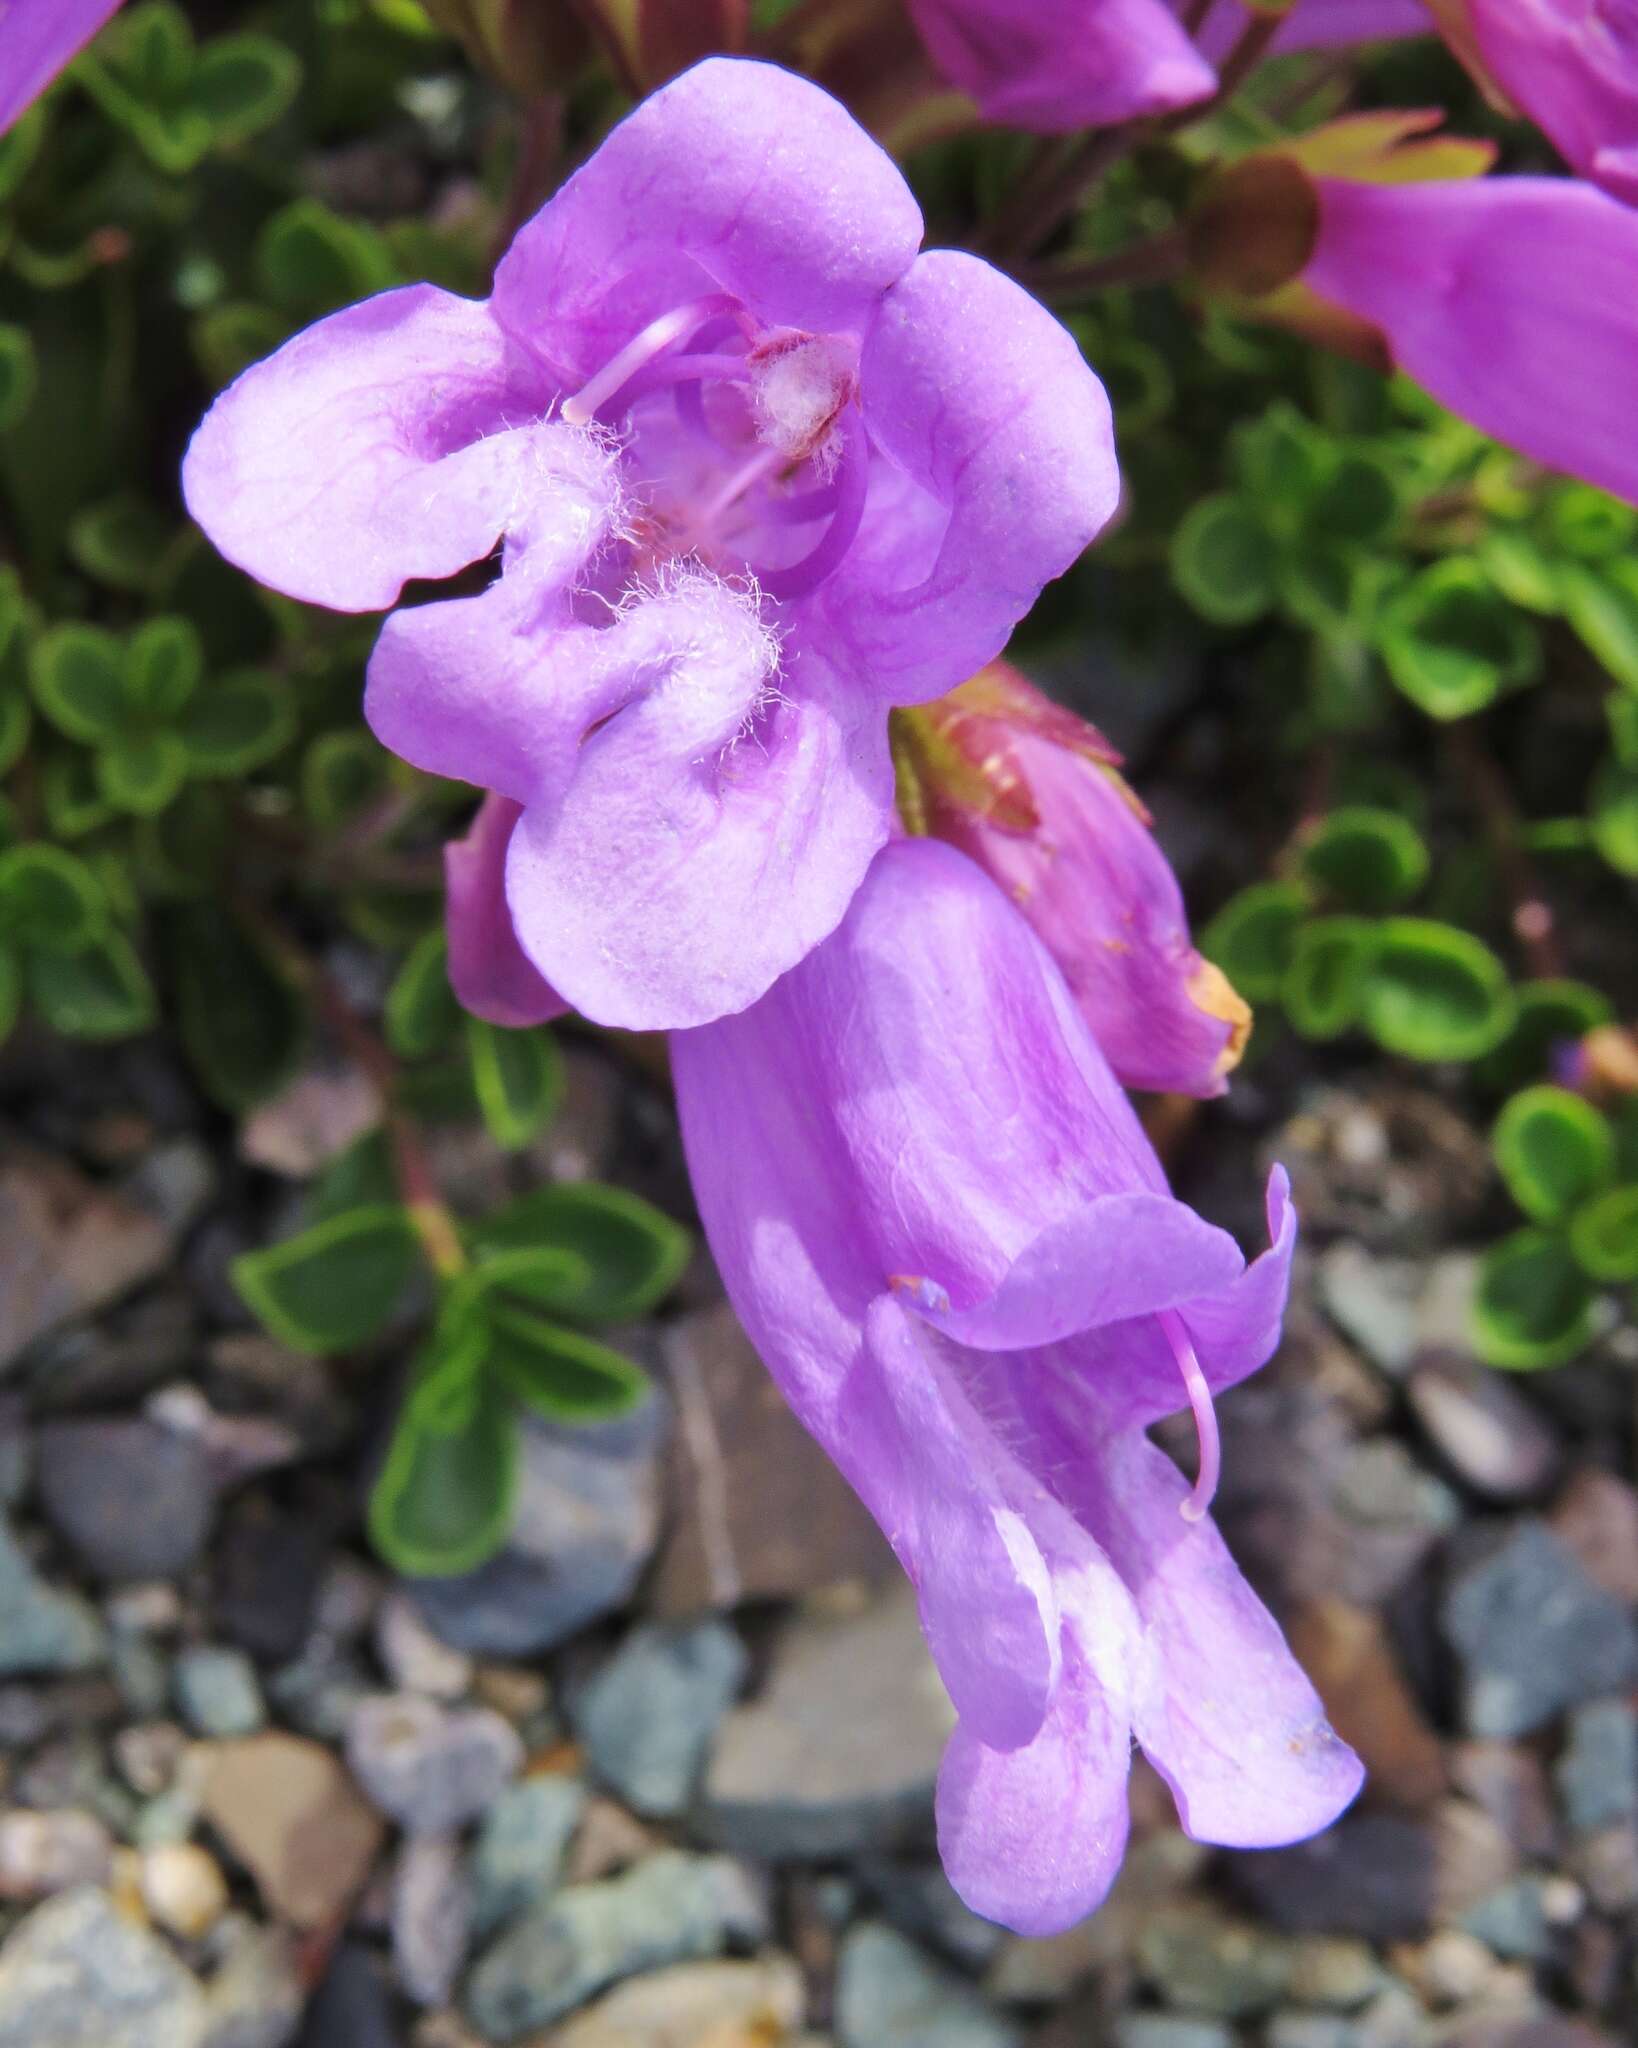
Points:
[(37, 38), (952, 1244), (758, 471), (489, 971), (1572, 65), (1061, 64), (1317, 24), (1034, 796), (1513, 300)]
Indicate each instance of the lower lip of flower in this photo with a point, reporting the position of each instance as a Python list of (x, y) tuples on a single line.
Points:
[(801, 451)]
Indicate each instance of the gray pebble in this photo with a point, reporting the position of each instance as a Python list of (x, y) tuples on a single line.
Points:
[(77, 1974), (427, 1768), (133, 1499), (42, 1629), (1169, 2030), (1597, 1773), (671, 1909), (518, 1856), (218, 1692), (889, 1994), (430, 1917), (648, 1716)]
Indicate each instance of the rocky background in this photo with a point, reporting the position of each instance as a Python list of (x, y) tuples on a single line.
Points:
[(660, 1776)]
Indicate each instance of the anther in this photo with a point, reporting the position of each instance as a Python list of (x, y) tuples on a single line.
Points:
[(851, 486), (1205, 1417)]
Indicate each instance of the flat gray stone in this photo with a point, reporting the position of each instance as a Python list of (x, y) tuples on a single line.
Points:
[(588, 1515), (427, 1768), (648, 1715), (1532, 1633), (671, 1909), (839, 1753), (521, 1847), (218, 1691), (1597, 1773), (1197, 1959), (77, 1974), (134, 1500), (41, 1628), (889, 1994)]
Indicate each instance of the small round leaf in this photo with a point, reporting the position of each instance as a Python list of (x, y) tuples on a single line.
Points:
[(1532, 1307), (1251, 938), (1365, 858), (1223, 561), (1435, 993), (49, 900), (1453, 644), (1554, 1150), (332, 1287), (1604, 1236), (78, 678), (1325, 984)]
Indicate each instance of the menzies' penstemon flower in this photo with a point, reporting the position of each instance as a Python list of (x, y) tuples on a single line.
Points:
[(759, 470), (1035, 796), (946, 1233), (1572, 66), (37, 38)]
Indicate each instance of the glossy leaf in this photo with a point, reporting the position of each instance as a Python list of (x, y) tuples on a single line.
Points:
[(334, 1286), (243, 84), (237, 723), (1602, 605), (445, 1498), (19, 374), (49, 900), (1252, 936), (1223, 561), (121, 541), (422, 1015), (78, 677), (1324, 986), (310, 260), (1554, 1150), (101, 991), (1613, 812), (243, 1023), (1548, 1014), (163, 664), (340, 774), (1532, 1307), (629, 1254), (141, 772), (1452, 644), (1365, 858), (559, 1374), (1435, 993), (517, 1077), (1604, 1236)]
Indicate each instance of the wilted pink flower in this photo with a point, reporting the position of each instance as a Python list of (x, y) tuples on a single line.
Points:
[(1062, 64), (758, 471), (1513, 300), (947, 1235), (37, 38), (1034, 795), (1572, 66)]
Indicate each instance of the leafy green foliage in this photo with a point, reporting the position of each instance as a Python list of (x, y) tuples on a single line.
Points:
[(1533, 1306), (1554, 1149)]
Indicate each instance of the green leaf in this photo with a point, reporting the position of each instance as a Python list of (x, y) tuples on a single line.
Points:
[(15, 719), (422, 1014), (101, 991), (229, 338), (1554, 1150), (1604, 1236), (237, 723), (140, 772), (183, 851), (1613, 812), (1519, 570), (163, 664), (49, 900), (1138, 380), (1532, 1307), (518, 1079), (1602, 605), (242, 1021), (310, 260), (1621, 709), (1282, 460), (74, 805), (559, 1374), (359, 1175), (153, 48), (243, 84), (1324, 986), (11, 990), (627, 1255), (1435, 993), (1223, 560), (19, 374), (335, 1286), (1452, 644), (18, 148), (1357, 498), (445, 1498), (78, 677), (1548, 1014), (1252, 937), (1587, 522), (121, 541), (341, 773), (1365, 858)]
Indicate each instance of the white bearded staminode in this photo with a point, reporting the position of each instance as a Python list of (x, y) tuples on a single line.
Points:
[(799, 384)]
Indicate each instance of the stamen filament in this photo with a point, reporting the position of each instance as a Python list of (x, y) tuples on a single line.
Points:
[(851, 485), (649, 342), (1205, 1417), (685, 369), (749, 474)]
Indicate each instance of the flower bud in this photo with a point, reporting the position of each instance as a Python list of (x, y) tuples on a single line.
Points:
[(1033, 795)]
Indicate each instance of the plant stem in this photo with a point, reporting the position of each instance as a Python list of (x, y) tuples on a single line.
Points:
[(1531, 918), (1151, 262)]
